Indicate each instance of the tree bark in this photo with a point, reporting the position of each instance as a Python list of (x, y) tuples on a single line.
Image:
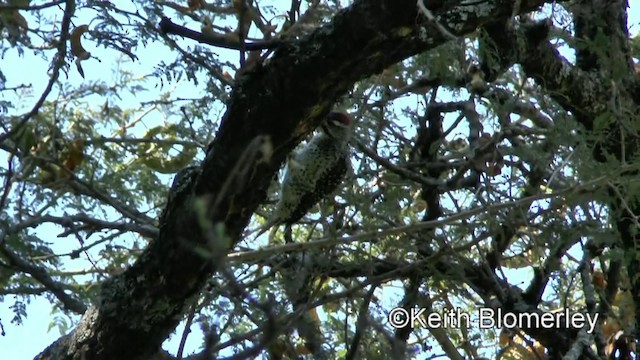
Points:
[(271, 109)]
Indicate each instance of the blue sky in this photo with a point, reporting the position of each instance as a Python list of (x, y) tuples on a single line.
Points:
[(27, 340)]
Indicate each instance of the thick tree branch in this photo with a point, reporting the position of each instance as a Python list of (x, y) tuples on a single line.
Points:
[(271, 109)]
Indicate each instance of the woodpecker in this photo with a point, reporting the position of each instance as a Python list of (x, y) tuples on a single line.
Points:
[(315, 171), (181, 185)]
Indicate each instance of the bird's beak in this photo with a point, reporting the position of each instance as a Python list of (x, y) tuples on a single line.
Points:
[(325, 128)]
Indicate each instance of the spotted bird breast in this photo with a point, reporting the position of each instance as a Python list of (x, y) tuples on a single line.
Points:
[(326, 184)]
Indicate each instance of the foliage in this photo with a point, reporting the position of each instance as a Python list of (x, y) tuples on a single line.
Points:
[(477, 181)]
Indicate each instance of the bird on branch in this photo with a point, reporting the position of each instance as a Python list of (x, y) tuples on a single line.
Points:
[(314, 172)]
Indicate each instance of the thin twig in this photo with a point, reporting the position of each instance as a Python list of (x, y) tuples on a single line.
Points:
[(55, 73), (7, 184), (429, 15), (361, 324), (168, 27), (186, 332), (42, 276), (374, 236)]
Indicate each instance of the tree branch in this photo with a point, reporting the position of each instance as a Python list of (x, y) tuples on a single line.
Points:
[(42, 276), (280, 102), (168, 27)]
